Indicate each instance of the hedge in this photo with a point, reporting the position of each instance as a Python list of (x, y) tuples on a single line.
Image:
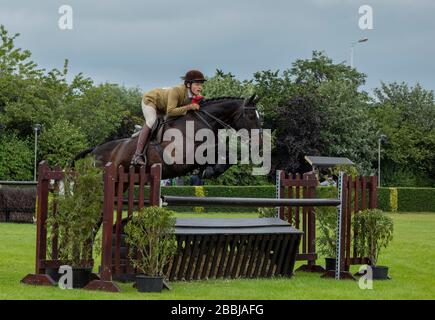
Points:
[(416, 199), (389, 199), (17, 204)]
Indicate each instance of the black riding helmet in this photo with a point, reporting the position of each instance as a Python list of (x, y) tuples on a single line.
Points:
[(193, 76)]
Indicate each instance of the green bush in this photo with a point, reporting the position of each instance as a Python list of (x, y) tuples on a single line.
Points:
[(80, 209), (374, 232), (16, 158), (151, 239)]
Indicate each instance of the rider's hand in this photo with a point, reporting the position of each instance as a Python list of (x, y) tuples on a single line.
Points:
[(194, 107)]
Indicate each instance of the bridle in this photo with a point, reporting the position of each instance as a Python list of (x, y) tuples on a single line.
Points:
[(223, 123)]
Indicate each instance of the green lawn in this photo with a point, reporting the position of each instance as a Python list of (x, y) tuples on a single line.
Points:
[(411, 258)]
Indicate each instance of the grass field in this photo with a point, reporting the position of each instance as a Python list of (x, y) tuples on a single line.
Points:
[(411, 258)]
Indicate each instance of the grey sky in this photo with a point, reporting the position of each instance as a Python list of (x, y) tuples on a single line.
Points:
[(151, 43)]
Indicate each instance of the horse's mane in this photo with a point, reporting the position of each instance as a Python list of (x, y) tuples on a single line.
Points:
[(207, 102)]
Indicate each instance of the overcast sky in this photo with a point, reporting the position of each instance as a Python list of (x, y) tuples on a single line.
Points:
[(151, 43)]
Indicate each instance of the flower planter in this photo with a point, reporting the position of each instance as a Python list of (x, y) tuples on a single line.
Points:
[(81, 277), (53, 273), (380, 273), (149, 284)]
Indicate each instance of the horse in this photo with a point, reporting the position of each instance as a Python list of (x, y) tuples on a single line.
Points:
[(214, 114)]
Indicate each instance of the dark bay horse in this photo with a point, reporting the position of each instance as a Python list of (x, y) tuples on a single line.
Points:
[(214, 114)]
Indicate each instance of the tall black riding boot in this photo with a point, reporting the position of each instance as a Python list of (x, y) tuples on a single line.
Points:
[(139, 157)]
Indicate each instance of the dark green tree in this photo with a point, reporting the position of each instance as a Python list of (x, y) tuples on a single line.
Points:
[(407, 116)]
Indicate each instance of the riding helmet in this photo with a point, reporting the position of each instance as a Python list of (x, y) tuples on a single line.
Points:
[(194, 76)]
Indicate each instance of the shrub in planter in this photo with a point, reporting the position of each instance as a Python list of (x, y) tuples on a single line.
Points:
[(327, 223), (374, 231), (152, 244), (77, 220)]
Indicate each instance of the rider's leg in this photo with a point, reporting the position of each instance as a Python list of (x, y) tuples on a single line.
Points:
[(150, 115)]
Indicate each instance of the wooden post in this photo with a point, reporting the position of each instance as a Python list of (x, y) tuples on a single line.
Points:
[(41, 229), (39, 277), (105, 283), (119, 220), (309, 244)]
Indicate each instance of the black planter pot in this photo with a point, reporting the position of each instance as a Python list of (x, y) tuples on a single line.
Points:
[(380, 273), (53, 273), (81, 277), (330, 264), (149, 284)]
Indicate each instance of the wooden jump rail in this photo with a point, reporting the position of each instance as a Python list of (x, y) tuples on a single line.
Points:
[(296, 204), (246, 202)]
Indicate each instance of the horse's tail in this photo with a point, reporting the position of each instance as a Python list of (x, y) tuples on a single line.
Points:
[(81, 155)]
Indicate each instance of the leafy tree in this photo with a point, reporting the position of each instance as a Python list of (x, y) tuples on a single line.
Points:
[(16, 158), (60, 143), (407, 116), (347, 130), (98, 113), (297, 133), (18, 83), (226, 85), (329, 99), (130, 99)]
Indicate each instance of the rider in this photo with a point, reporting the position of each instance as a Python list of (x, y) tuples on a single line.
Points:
[(174, 102)]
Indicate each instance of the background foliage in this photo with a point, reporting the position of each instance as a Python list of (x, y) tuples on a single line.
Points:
[(314, 107)]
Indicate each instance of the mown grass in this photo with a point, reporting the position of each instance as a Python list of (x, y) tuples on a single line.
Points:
[(411, 258)]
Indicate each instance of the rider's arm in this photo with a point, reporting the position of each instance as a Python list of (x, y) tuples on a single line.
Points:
[(171, 109)]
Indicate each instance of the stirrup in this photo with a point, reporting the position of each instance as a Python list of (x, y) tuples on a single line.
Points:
[(138, 159)]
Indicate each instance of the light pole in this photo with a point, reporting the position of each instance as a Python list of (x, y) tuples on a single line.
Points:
[(382, 139), (36, 127), (352, 46)]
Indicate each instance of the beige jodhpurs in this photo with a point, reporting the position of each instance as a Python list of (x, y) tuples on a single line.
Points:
[(150, 115)]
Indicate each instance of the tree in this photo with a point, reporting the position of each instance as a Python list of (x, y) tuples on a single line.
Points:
[(226, 85), (60, 143), (407, 116), (325, 92), (16, 158), (98, 112), (297, 133)]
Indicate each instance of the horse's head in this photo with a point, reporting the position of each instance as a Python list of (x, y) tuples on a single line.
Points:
[(236, 113), (247, 116)]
